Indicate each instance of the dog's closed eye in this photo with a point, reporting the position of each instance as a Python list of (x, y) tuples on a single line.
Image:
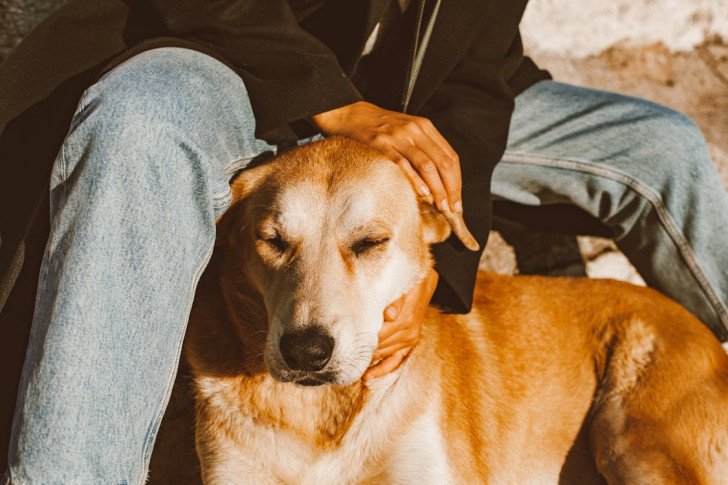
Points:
[(272, 247), (367, 244), (275, 241)]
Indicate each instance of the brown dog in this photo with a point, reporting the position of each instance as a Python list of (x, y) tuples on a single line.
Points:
[(546, 381)]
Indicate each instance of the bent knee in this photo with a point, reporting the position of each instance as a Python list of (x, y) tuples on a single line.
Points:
[(670, 154), (672, 138), (173, 86), (677, 132), (168, 106)]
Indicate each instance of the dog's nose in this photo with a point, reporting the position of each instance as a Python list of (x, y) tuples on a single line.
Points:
[(308, 350)]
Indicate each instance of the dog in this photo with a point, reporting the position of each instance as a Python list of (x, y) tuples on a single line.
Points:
[(545, 381)]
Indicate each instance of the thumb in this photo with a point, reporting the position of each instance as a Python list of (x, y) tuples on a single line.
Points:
[(393, 309)]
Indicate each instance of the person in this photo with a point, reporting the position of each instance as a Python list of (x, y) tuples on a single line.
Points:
[(140, 112)]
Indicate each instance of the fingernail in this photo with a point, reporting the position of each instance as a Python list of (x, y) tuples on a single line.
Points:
[(443, 205), (391, 312), (424, 190), (458, 206)]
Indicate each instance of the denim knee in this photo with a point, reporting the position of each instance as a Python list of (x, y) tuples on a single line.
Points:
[(668, 160), (173, 86), (672, 154), (171, 97)]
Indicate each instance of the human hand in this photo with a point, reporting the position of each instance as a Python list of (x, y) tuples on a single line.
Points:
[(412, 142), (401, 329)]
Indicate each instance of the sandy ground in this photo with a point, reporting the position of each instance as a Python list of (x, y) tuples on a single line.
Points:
[(580, 28)]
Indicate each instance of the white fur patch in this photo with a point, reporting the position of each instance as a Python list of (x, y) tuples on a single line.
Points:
[(420, 456)]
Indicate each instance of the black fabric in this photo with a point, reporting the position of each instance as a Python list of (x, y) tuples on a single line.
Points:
[(295, 58), (382, 74), (554, 218), (15, 320)]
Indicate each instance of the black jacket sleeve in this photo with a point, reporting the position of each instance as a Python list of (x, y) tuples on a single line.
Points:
[(290, 74), (472, 109)]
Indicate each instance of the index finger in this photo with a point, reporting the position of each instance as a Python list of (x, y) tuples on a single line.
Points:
[(447, 162), (386, 366)]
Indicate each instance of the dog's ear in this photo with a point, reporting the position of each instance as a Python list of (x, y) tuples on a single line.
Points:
[(243, 184), (249, 179), (437, 225)]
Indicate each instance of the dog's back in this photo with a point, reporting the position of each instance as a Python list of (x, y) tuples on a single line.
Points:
[(640, 381)]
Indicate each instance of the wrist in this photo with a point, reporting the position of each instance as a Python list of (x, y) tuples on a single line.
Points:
[(333, 122), (327, 121)]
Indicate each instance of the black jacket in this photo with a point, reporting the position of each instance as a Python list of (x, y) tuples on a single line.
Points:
[(297, 58)]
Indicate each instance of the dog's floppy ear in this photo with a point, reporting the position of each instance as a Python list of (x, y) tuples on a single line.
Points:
[(246, 181), (437, 225)]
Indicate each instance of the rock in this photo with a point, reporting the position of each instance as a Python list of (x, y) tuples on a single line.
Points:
[(593, 247), (499, 256), (613, 265)]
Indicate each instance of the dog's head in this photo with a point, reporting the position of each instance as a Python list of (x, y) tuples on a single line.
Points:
[(330, 234)]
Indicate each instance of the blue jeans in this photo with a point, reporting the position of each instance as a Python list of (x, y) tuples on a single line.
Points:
[(641, 169), (144, 172)]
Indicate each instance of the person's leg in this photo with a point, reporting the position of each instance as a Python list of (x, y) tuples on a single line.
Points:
[(135, 192), (641, 169)]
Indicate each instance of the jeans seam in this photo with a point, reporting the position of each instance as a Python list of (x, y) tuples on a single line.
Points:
[(83, 104), (221, 200), (224, 198), (154, 427), (64, 163), (236, 164), (644, 191)]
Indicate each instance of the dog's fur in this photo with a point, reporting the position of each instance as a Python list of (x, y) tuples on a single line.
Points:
[(545, 381)]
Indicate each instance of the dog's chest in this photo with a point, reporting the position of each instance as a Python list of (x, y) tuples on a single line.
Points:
[(384, 439), (368, 453)]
